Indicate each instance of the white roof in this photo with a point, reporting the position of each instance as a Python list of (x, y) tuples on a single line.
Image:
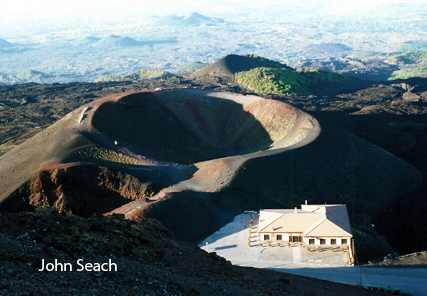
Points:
[(310, 221)]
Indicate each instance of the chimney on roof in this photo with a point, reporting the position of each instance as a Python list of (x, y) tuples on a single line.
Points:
[(296, 211), (305, 202)]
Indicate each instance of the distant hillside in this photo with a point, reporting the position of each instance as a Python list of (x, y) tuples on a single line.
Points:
[(231, 64), (192, 67), (117, 41), (32, 75), (152, 18), (9, 79), (87, 40), (4, 43), (409, 58), (412, 46), (276, 78), (367, 54), (168, 21), (114, 41), (143, 74), (108, 78), (266, 76), (409, 73), (148, 74), (194, 19), (326, 49)]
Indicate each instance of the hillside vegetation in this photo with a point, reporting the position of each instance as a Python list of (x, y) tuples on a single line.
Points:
[(103, 155), (367, 54), (32, 75), (409, 58), (9, 79), (192, 67), (413, 46), (408, 73), (25, 76), (143, 74), (277, 78)]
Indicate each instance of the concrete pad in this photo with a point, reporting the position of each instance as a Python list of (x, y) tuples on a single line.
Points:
[(231, 241)]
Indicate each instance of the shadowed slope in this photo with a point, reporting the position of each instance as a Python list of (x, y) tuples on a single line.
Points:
[(182, 129)]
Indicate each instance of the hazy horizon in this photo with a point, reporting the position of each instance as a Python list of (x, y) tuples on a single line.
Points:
[(22, 17)]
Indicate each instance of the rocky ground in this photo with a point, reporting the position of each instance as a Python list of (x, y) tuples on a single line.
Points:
[(374, 68), (149, 261), (417, 259), (28, 108)]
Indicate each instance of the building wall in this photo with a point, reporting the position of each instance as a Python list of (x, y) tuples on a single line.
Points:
[(273, 237), (306, 240), (317, 240)]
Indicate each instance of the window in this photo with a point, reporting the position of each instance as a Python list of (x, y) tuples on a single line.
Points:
[(344, 241), (311, 241), (279, 237), (266, 237), (296, 239), (333, 241), (323, 241)]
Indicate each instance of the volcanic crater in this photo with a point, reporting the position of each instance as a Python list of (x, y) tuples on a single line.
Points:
[(179, 139), (188, 126)]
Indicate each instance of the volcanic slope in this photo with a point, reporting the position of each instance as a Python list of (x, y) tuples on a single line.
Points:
[(231, 64), (177, 139), (143, 74), (270, 77)]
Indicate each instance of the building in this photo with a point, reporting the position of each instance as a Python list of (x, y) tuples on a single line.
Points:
[(311, 225)]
